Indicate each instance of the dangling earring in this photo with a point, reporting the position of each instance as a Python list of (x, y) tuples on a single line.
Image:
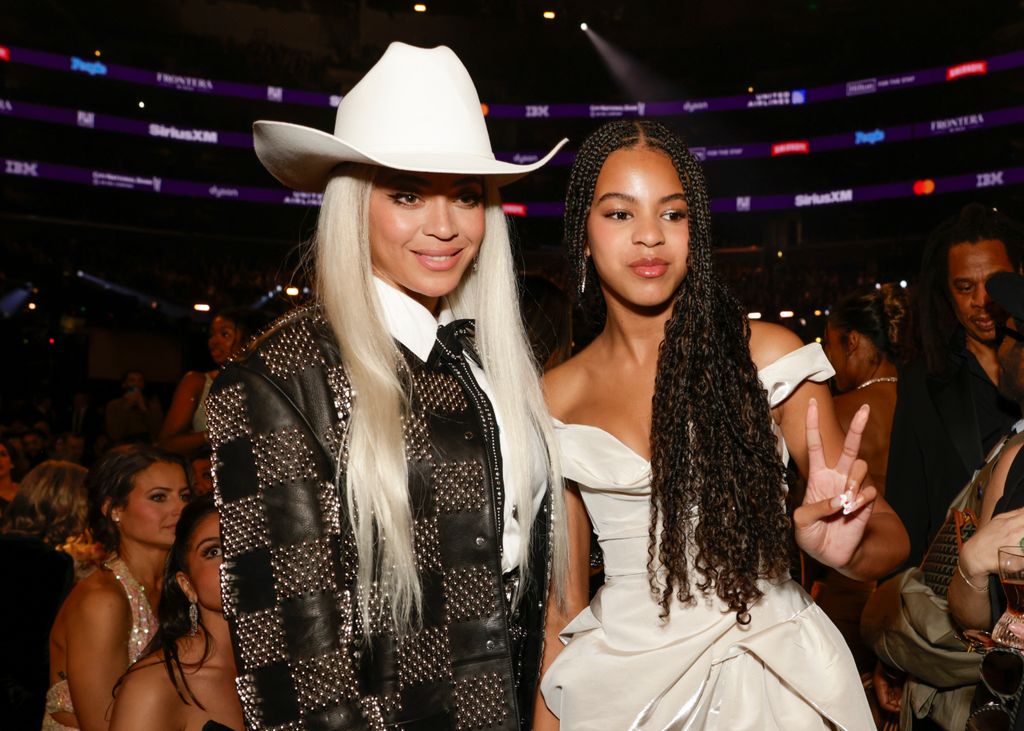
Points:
[(193, 618), (476, 263), (583, 275)]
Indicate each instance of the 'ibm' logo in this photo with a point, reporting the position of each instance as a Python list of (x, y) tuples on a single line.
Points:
[(86, 119), (533, 110)]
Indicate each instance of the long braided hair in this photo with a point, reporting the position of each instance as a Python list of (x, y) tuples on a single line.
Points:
[(713, 450)]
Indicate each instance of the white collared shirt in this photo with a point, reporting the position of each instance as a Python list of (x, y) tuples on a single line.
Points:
[(411, 324)]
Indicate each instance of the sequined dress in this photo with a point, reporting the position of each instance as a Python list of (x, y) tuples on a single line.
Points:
[(623, 668), (144, 624)]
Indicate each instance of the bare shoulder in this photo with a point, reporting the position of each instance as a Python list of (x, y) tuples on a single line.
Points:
[(193, 380), (566, 385), (98, 598), (769, 342), (146, 693)]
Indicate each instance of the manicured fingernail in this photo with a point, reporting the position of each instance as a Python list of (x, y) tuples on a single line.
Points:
[(813, 401), (846, 500)]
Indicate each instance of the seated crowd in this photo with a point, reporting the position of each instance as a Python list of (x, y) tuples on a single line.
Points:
[(115, 620)]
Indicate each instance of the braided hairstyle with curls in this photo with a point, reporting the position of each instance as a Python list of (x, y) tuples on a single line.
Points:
[(713, 449)]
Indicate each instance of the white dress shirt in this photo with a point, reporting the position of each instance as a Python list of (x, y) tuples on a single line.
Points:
[(411, 324)]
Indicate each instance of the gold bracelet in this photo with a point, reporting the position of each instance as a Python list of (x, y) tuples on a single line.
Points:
[(968, 581)]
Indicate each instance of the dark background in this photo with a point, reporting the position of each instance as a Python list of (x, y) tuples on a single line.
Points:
[(182, 251)]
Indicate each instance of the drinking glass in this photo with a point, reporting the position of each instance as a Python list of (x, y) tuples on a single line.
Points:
[(1011, 576)]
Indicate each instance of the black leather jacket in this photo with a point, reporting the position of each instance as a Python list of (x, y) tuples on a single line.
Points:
[(277, 419)]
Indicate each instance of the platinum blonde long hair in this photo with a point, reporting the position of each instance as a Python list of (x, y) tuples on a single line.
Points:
[(376, 491)]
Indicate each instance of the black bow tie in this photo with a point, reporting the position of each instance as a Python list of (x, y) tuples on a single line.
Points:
[(452, 340)]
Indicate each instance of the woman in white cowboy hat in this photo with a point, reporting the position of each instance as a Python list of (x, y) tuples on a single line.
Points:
[(382, 457)]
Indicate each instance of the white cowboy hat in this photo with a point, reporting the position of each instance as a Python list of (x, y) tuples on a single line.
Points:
[(416, 110)]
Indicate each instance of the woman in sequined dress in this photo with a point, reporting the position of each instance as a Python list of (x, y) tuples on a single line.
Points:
[(136, 494), (189, 679)]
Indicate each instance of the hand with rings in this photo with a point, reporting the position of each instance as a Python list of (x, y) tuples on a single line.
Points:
[(830, 523)]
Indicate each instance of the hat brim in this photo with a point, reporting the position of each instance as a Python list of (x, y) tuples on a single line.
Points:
[(302, 158)]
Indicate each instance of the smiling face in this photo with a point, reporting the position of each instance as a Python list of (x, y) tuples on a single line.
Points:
[(638, 232), (425, 229), (970, 266), (151, 509)]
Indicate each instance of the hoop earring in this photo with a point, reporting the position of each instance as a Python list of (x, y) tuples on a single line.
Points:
[(193, 618)]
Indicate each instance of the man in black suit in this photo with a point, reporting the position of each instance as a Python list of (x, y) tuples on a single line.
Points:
[(949, 412)]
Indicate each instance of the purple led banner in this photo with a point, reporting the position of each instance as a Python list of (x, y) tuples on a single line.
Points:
[(825, 143), (739, 204), (95, 67)]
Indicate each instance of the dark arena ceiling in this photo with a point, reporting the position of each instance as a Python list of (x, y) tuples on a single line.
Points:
[(836, 132)]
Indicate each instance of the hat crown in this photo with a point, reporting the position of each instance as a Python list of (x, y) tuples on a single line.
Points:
[(415, 100)]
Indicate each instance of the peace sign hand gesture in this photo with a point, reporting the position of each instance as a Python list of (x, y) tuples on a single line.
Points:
[(830, 523)]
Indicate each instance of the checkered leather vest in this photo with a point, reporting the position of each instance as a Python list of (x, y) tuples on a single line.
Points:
[(277, 419)]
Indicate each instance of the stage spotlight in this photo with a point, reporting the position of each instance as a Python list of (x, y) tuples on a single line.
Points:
[(31, 305), (549, 14), (12, 302), (97, 53), (142, 105), (786, 314), (419, 8), (292, 291), (750, 90), (754, 315), (201, 307), (636, 79)]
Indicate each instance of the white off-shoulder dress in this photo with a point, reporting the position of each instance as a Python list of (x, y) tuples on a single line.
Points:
[(624, 668)]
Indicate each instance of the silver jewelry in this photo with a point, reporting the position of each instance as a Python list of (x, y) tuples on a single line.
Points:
[(476, 262), (880, 379), (193, 618), (583, 276), (968, 581)]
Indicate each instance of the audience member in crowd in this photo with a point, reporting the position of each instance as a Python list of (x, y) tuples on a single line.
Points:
[(49, 508), (1001, 522), (69, 447), (184, 430), (8, 487), (189, 681), (949, 413), (908, 620), (865, 339), (133, 416), (34, 446), (202, 472), (136, 493)]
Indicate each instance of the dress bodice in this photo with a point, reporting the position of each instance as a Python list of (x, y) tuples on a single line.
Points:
[(615, 481), (697, 667)]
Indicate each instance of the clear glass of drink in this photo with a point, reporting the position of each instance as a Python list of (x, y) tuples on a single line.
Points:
[(1011, 576)]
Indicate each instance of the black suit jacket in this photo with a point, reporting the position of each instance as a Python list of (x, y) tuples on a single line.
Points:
[(933, 451)]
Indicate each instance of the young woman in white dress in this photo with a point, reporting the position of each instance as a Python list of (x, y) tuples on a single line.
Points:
[(675, 424)]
